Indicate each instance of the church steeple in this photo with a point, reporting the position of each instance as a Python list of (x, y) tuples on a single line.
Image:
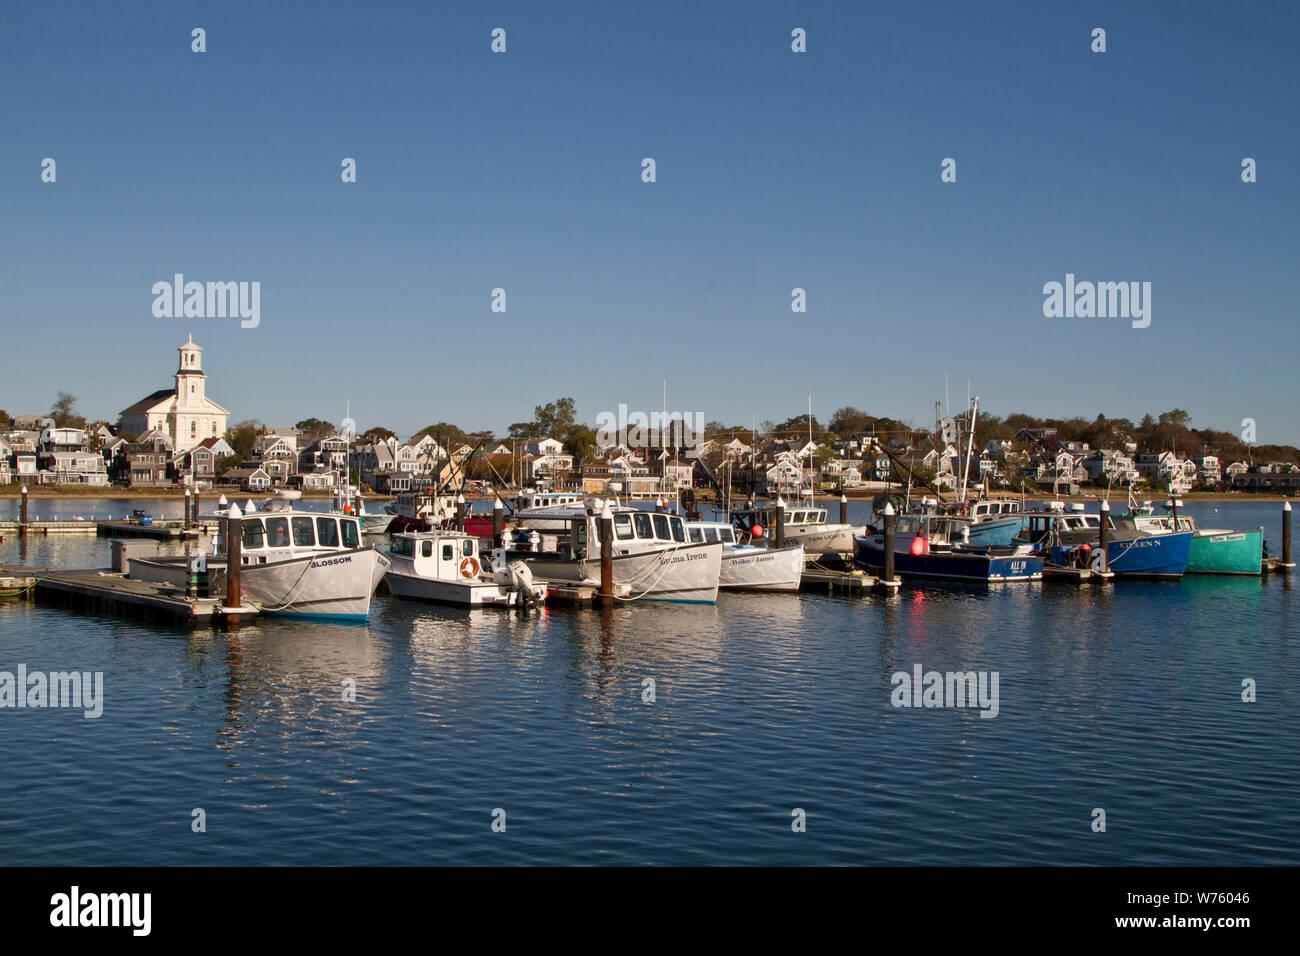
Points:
[(189, 376)]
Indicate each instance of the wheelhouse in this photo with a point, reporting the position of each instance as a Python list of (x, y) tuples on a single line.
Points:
[(271, 536), (983, 510), (632, 529), (447, 557), (708, 532)]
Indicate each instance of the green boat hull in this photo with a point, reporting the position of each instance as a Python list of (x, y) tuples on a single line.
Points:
[(1226, 552)]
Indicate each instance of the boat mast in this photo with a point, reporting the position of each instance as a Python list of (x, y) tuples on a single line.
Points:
[(970, 445)]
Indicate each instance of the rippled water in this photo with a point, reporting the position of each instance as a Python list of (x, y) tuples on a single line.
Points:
[(1127, 699)]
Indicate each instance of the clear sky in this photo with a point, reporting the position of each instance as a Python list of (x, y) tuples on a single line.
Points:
[(775, 170)]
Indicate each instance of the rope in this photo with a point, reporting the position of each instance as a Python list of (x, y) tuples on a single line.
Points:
[(291, 591)]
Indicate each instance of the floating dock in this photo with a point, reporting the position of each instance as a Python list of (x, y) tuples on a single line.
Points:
[(163, 530), (112, 592), (125, 528), (834, 575)]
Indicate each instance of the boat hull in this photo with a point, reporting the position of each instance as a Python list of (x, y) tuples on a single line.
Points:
[(823, 539), (336, 585), (1226, 552), (466, 594), (685, 574), (762, 569), (980, 566), (1150, 556), (997, 532)]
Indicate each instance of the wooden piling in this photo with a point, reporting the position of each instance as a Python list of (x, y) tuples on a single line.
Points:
[(460, 512), (889, 580), (22, 519), (844, 509), (779, 535), (234, 541), (498, 523), (1287, 565), (606, 523), (1104, 540)]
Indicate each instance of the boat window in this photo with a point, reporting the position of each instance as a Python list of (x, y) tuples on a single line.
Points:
[(327, 532), (401, 546), (642, 521), (661, 527), (679, 531), (711, 535), (303, 536), (448, 552), (697, 536), (467, 548), (727, 535), (623, 526), (426, 549), (350, 536), (253, 533), (277, 532), (799, 517)]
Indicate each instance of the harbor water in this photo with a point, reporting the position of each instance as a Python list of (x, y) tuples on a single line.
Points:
[(1126, 699)]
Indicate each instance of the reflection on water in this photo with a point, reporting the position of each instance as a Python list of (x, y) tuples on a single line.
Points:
[(1126, 697)]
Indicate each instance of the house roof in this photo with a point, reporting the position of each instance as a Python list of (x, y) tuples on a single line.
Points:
[(149, 401)]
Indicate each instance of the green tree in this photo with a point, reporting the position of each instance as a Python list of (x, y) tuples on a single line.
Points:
[(242, 437), (314, 427), (445, 433), (555, 417), (580, 442), (378, 433), (64, 411), (848, 420)]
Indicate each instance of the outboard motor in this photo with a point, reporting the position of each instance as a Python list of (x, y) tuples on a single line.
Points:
[(522, 580)]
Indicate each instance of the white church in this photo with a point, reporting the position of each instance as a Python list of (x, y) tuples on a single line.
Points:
[(184, 413)]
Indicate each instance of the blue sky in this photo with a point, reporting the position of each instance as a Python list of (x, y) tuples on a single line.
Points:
[(775, 170)]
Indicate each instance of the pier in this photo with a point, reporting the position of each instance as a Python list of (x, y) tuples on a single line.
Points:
[(111, 592), (172, 529)]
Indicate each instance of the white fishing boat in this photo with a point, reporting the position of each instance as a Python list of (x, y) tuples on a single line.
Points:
[(805, 524), (748, 567), (292, 562), (652, 558), (446, 567), (546, 510)]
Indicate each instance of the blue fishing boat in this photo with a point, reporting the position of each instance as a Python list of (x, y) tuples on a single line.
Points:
[(934, 546), (1130, 552), (994, 521)]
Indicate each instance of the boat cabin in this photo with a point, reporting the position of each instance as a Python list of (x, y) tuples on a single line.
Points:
[(634, 531), (986, 510), (547, 499), (444, 555), (707, 532), (268, 538), (1040, 526)]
